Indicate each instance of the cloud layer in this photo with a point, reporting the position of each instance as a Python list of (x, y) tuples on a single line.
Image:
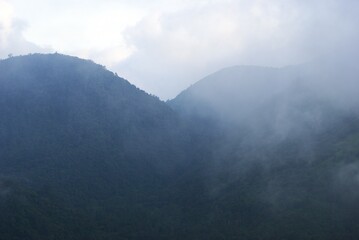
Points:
[(176, 48), (164, 46)]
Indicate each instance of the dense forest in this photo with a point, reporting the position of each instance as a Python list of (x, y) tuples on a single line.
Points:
[(245, 153)]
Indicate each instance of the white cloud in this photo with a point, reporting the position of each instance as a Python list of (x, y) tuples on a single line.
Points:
[(165, 45), (88, 29), (174, 48), (12, 40)]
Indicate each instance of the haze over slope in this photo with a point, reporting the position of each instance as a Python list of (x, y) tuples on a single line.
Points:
[(280, 98), (248, 152), (282, 149)]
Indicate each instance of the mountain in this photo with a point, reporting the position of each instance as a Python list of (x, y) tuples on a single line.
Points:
[(83, 153), (281, 150), (245, 153)]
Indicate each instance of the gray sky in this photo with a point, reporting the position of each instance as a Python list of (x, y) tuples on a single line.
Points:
[(163, 46)]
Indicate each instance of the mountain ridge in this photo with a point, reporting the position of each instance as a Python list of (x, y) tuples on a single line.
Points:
[(86, 155)]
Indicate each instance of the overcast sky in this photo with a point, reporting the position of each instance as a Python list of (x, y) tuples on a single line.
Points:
[(163, 46)]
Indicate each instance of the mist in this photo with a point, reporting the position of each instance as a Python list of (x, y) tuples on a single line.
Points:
[(259, 138), (280, 123)]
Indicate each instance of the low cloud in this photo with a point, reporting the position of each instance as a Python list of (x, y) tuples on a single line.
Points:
[(176, 48)]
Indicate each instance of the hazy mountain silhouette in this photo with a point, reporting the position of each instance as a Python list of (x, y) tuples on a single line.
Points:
[(281, 147), (247, 152)]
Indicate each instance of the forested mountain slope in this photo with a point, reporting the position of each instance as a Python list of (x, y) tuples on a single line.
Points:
[(83, 153), (245, 153)]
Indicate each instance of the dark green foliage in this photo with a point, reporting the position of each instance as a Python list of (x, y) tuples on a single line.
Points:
[(91, 153), (86, 155)]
